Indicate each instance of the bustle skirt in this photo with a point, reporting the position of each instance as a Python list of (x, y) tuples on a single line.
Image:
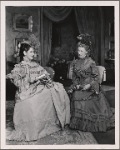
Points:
[(90, 112)]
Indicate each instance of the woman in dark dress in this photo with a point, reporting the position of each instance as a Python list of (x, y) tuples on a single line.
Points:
[(90, 110)]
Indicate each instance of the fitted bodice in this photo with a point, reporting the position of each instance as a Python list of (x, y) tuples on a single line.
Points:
[(85, 72), (23, 76)]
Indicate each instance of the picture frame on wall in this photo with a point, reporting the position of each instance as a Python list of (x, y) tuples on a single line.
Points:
[(17, 43), (19, 40), (22, 22)]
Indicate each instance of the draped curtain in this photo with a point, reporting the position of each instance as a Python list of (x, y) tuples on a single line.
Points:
[(86, 19), (47, 36), (88, 22), (48, 15), (57, 13)]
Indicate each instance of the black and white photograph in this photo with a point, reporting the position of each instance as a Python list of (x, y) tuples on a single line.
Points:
[(60, 74)]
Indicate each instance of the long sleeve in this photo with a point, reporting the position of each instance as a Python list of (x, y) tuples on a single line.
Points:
[(74, 75), (75, 79), (94, 77), (27, 78), (19, 76)]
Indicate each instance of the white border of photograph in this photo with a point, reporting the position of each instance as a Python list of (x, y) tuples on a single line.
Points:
[(3, 68)]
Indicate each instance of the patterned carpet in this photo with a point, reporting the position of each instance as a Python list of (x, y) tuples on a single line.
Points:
[(59, 138)]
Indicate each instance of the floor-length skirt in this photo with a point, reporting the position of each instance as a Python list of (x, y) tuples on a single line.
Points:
[(90, 113), (47, 111)]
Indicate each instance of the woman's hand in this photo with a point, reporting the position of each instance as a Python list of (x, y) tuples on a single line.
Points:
[(70, 91), (86, 87), (9, 76), (40, 77), (75, 70), (49, 85)]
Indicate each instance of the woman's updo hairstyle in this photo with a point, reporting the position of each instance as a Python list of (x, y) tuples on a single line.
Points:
[(84, 40), (87, 48), (25, 46)]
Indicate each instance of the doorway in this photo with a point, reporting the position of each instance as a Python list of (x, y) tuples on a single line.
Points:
[(64, 38)]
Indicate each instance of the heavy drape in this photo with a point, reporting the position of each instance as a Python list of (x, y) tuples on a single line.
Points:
[(47, 36), (57, 13), (88, 22), (47, 16), (87, 19)]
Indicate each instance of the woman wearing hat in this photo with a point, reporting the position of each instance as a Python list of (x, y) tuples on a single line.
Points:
[(90, 110)]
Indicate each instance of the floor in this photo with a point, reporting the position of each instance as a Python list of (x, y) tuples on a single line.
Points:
[(105, 138)]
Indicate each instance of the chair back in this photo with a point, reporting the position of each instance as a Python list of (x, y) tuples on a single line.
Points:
[(51, 71), (102, 73), (70, 70)]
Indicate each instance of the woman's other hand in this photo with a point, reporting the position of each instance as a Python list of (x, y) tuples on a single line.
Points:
[(86, 87), (40, 77), (9, 76), (70, 91)]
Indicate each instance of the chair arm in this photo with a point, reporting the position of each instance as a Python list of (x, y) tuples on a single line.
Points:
[(51, 71)]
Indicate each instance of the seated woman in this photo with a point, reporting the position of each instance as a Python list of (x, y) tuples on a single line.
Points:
[(42, 106), (90, 110)]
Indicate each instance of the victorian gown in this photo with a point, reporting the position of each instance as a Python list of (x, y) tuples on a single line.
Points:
[(90, 110), (41, 107)]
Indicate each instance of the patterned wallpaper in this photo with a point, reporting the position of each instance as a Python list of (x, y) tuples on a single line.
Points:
[(11, 34)]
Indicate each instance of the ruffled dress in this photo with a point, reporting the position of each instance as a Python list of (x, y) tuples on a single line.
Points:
[(41, 107), (90, 110)]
